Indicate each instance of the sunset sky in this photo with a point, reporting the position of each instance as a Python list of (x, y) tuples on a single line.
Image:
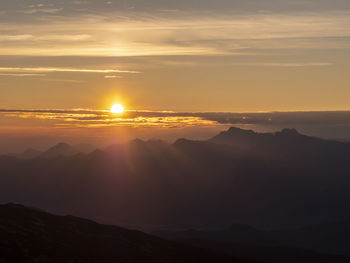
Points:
[(171, 64)]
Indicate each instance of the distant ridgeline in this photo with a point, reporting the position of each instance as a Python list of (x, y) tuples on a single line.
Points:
[(270, 181)]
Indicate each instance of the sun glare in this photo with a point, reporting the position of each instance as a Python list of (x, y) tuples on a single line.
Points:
[(117, 108)]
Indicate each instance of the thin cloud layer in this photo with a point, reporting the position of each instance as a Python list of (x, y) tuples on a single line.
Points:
[(76, 70), (115, 34), (155, 6), (99, 118)]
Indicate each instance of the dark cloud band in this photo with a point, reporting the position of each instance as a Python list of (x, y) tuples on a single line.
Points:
[(268, 118)]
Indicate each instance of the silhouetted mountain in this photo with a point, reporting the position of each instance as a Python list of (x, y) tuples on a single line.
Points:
[(271, 181), (60, 149), (247, 242), (250, 139), (29, 235), (239, 138), (236, 234), (84, 148), (29, 154), (285, 144)]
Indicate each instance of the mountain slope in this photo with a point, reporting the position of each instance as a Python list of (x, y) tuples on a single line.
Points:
[(29, 235), (29, 154), (328, 237), (60, 149), (247, 242), (287, 143)]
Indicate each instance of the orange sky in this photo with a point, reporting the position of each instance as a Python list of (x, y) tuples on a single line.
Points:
[(184, 56)]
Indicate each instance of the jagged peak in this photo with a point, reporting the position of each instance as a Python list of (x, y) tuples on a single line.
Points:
[(136, 142), (96, 153), (59, 149), (288, 132), (181, 141), (61, 145), (232, 131), (235, 130)]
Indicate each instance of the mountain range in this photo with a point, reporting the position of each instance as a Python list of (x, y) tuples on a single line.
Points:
[(60, 149), (269, 181)]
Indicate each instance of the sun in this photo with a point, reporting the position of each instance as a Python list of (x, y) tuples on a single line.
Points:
[(117, 108)]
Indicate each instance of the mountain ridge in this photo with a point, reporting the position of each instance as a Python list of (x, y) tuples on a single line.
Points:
[(32, 235), (191, 183)]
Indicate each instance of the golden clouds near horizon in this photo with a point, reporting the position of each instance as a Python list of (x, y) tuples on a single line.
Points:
[(81, 118)]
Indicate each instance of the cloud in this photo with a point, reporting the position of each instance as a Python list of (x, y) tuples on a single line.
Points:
[(132, 118), (78, 37), (204, 5), (94, 118), (21, 75), (288, 65), (75, 70), (282, 118), (183, 33), (64, 80), (27, 38), (112, 77), (41, 10), (79, 2), (16, 37)]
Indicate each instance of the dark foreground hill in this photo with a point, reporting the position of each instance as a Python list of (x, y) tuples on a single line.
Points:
[(328, 237), (270, 247), (29, 235)]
